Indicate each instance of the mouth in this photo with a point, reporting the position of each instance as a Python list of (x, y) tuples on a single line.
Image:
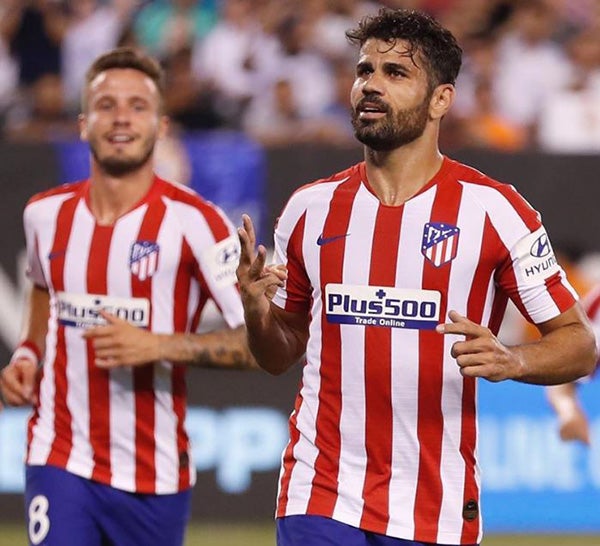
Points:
[(370, 110), (120, 138)]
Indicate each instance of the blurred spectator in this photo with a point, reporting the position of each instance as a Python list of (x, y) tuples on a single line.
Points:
[(530, 65), (486, 128), (308, 73), (330, 20), (47, 118), (8, 77), (94, 27), (166, 26), (34, 30), (569, 120), (236, 58), (189, 101)]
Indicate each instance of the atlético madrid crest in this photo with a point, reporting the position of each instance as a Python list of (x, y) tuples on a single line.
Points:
[(143, 259), (440, 243)]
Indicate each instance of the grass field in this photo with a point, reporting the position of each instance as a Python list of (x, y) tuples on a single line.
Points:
[(263, 535)]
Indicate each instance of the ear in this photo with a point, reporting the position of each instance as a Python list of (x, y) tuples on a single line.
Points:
[(163, 126), (82, 121), (441, 100)]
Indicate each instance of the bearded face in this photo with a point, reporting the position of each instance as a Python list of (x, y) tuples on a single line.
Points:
[(388, 128)]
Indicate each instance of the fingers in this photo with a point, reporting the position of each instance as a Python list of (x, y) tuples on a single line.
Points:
[(461, 325), (247, 237), (18, 382)]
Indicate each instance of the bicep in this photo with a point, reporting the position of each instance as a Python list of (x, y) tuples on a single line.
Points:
[(572, 316)]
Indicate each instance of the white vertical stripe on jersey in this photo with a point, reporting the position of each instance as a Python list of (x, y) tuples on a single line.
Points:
[(305, 452), (43, 431), (353, 455), (165, 426), (75, 281), (452, 466), (121, 393), (405, 382)]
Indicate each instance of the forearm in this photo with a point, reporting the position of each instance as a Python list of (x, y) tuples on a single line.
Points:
[(560, 356), (563, 398), (35, 319), (275, 346), (218, 349)]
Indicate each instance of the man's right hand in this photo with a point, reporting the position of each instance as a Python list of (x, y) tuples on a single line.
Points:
[(17, 382), (257, 281)]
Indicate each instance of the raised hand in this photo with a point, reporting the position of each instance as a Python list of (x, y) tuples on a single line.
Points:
[(480, 354), (257, 281)]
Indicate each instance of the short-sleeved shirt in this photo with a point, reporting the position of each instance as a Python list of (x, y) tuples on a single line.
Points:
[(384, 434), (155, 267)]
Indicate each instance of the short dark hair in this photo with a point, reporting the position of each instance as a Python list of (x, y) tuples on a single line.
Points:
[(127, 57), (422, 33)]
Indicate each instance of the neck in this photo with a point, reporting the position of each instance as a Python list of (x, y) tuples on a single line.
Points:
[(397, 175), (113, 196)]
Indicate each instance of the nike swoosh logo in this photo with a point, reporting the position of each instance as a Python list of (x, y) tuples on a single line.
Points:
[(56, 254), (326, 240)]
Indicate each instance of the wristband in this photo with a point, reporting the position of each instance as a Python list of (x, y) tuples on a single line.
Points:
[(27, 350)]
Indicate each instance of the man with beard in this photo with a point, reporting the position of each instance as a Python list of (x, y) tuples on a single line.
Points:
[(122, 265), (398, 272)]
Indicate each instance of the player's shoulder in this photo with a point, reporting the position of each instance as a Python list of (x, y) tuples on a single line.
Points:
[(316, 190), (185, 196), (187, 204), (64, 190), (488, 191)]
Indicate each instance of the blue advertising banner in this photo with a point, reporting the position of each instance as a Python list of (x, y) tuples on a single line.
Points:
[(225, 167), (533, 481)]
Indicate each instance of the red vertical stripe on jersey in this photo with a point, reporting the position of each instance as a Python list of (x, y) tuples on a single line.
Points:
[(180, 318), (143, 376), (378, 377), (99, 379), (491, 248), (328, 441), (295, 271), (430, 421), (63, 439), (288, 457)]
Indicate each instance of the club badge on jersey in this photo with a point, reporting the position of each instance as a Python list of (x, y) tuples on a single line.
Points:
[(143, 259), (440, 243), (383, 306)]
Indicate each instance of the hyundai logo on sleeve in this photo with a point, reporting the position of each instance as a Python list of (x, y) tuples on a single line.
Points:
[(541, 246)]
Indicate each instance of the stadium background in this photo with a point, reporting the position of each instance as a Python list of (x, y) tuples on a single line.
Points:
[(532, 481)]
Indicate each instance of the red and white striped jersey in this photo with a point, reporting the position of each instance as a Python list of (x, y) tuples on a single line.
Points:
[(383, 435), (156, 267)]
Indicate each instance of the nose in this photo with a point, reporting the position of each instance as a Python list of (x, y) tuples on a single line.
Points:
[(122, 115), (372, 84)]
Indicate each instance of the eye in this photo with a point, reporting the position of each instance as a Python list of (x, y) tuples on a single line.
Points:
[(363, 70), (104, 104)]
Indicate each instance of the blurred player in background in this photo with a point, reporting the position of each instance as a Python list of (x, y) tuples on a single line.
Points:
[(399, 271), (122, 265), (572, 421)]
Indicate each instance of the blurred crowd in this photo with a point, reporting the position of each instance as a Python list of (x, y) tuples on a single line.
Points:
[(281, 70)]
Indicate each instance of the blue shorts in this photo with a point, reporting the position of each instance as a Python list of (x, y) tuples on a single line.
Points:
[(321, 531), (63, 509)]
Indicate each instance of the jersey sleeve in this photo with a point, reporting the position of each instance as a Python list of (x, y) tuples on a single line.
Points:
[(295, 296), (215, 247), (530, 275), (34, 269)]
